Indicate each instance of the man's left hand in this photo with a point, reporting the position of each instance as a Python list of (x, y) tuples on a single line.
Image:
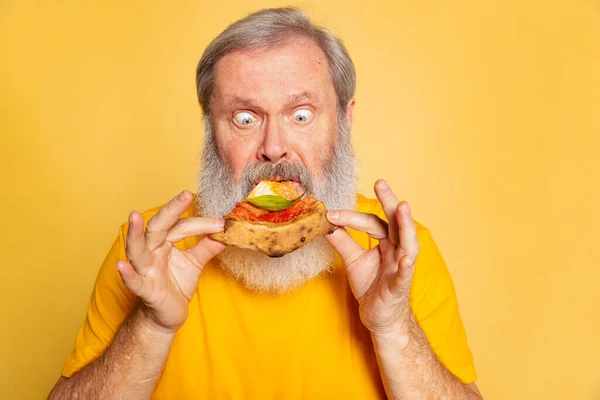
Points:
[(380, 277)]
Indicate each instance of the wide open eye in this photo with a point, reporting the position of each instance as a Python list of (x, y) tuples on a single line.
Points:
[(303, 116), (245, 119)]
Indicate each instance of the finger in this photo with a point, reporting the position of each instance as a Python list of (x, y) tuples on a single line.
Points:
[(389, 202), (194, 226), (346, 247), (135, 244), (365, 222), (205, 250), (399, 283), (159, 225), (409, 244), (132, 280)]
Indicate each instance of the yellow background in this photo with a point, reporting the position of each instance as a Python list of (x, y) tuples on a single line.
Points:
[(485, 115)]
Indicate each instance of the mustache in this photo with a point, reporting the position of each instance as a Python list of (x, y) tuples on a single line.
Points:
[(256, 172)]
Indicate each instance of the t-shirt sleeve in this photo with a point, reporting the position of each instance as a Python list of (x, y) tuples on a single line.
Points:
[(109, 305), (435, 307)]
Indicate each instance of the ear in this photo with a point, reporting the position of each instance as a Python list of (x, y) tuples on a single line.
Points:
[(350, 111)]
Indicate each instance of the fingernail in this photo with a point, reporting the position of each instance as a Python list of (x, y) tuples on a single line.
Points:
[(182, 196), (131, 219), (221, 223), (333, 215), (382, 184), (407, 211)]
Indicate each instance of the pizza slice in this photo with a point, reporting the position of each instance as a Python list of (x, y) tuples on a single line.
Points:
[(275, 220)]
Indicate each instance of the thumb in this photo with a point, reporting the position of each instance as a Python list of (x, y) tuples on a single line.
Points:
[(345, 246)]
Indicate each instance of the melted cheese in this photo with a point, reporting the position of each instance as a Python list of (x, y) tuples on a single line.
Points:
[(283, 189)]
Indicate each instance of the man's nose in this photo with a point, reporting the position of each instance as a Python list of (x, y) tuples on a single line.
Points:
[(274, 145)]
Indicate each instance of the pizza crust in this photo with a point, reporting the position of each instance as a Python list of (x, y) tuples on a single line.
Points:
[(276, 239)]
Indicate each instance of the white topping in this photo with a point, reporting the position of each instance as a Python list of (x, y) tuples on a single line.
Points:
[(262, 189)]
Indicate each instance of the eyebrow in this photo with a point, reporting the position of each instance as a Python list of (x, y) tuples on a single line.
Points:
[(294, 98)]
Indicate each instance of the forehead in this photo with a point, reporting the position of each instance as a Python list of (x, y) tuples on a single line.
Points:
[(275, 74)]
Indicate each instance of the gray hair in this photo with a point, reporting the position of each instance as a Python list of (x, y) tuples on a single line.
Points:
[(270, 28)]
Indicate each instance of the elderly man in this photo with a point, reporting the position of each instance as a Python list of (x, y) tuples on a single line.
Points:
[(363, 312)]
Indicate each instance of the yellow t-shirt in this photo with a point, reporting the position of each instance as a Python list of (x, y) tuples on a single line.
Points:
[(306, 344)]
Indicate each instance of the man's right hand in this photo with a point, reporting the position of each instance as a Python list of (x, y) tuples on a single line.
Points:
[(162, 276)]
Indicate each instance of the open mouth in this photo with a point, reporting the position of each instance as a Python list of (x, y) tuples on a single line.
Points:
[(276, 179), (276, 188)]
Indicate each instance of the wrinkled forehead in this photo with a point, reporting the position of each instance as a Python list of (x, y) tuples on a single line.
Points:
[(274, 76)]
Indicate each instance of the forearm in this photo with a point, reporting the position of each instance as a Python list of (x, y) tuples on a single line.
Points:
[(128, 369), (410, 370)]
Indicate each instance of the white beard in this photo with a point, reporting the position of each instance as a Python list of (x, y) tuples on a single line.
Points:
[(218, 195), (276, 275)]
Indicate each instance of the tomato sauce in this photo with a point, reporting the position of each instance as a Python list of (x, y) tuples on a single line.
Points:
[(248, 212)]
